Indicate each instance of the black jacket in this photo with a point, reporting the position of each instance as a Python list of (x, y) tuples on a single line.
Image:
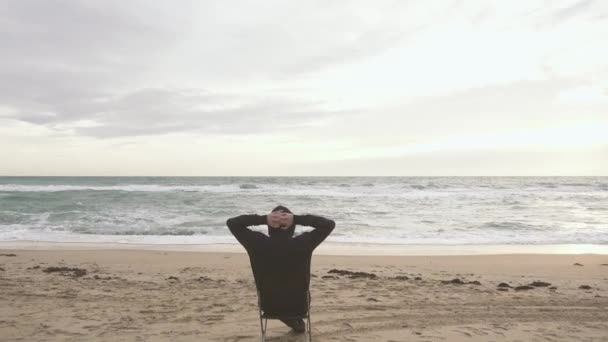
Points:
[(281, 265)]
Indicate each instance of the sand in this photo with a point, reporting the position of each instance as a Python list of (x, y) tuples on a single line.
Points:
[(152, 295)]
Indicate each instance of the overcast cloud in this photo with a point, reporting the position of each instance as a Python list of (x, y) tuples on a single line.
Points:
[(329, 87)]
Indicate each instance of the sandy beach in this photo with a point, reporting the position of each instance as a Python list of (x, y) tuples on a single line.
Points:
[(72, 294)]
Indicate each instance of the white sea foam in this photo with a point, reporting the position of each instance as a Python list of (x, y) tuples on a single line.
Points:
[(126, 187)]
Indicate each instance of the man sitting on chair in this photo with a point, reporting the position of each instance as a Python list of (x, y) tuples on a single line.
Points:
[(281, 260)]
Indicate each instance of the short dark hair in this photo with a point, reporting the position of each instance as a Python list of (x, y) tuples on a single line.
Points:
[(281, 208)]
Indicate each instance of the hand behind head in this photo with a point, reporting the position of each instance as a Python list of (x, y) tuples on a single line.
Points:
[(285, 220), (274, 219)]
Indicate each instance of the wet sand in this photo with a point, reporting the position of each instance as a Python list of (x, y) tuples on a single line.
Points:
[(72, 294)]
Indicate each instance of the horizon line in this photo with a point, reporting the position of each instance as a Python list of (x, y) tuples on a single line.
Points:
[(250, 176)]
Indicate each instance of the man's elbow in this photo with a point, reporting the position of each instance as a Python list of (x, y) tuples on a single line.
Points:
[(331, 224)]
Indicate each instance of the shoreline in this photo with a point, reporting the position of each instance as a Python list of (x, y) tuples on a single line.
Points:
[(327, 248)]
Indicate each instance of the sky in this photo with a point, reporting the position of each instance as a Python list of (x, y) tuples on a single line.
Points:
[(304, 88)]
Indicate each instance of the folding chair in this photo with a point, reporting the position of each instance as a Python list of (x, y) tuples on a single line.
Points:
[(264, 317)]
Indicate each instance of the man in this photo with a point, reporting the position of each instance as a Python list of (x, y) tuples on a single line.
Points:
[(281, 259)]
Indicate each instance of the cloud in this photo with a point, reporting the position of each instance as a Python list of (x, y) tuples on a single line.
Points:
[(326, 79), (199, 38), (160, 111), (143, 68), (77, 40), (585, 94), (61, 57), (572, 10)]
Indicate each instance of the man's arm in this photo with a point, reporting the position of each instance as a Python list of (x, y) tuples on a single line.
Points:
[(323, 227), (238, 227)]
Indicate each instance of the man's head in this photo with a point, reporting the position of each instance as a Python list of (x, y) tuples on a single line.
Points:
[(278, 232)]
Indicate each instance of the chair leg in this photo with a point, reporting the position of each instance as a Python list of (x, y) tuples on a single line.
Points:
[(262, 328), (309, 328), (263, 324)]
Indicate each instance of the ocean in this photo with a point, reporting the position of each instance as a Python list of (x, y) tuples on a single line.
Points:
[(378, 210)]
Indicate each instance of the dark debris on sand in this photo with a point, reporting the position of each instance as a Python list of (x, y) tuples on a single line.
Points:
[(505, 285), (101, 278), (539, 284), (401, 277), (328, 277), (524, 288), (502, 289), (458, 281), (577, 264), (352, 274), (9, 255), (455, 281), (585, 287), (67, 271)]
